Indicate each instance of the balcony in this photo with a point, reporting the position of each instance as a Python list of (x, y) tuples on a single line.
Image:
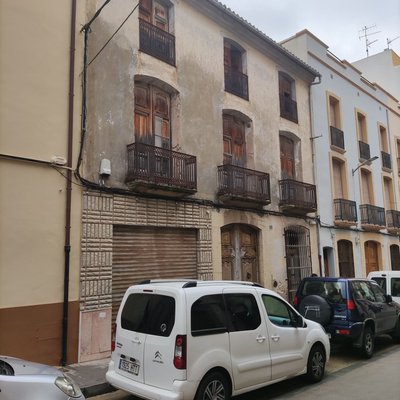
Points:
[(243, 187), (337, 138), (345, 212), (288, 108), (156, 42), (155, 170), (365, 153), (236, 83), (297, 197), (393, 221), (372, 217), (386, 161)]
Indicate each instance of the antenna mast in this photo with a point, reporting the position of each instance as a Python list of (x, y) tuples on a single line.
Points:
[(365, 36), (390, 41)]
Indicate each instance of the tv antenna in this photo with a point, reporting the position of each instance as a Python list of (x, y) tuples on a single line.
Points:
[(365, 34), (390, 41)]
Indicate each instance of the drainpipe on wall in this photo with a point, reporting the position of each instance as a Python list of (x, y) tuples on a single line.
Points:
[(314, 167), (67, 245)]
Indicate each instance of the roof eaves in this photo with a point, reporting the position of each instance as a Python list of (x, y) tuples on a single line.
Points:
[(264, 37)]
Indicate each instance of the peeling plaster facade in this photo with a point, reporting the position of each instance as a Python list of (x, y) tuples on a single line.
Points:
[(198, 101)]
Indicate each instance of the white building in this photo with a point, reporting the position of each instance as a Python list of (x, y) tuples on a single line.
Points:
[(382, 68), (354, 121)]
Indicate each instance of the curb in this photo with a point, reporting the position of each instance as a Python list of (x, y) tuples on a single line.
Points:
[(97, 390)]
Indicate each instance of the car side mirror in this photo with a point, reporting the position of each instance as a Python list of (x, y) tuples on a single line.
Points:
[(388, 298), (299, 321)]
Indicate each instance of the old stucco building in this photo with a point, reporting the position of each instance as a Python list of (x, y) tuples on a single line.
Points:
[(357, 162), (196, 154)]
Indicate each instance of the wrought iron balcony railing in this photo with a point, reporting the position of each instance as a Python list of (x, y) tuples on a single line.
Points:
[(242, 183), (372, 215), (288, 108), (337, 137), (365, 153), (345, 210), (393, 219), (298, 196), (236, 82), (386, 160), (156, 42), (161, 166)]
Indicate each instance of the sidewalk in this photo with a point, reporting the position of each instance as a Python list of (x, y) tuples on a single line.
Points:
[(90, 377)]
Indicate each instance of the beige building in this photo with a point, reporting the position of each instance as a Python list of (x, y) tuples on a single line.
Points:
[(357, 128), (196, 155), (40, 203)]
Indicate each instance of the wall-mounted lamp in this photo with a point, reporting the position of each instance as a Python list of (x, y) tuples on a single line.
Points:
[(366, 162)]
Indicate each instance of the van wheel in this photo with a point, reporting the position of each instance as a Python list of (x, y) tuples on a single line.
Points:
[(367, 345), (316, 364), (214, 386)]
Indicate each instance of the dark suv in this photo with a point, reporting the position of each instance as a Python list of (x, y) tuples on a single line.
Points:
[(352, 310)]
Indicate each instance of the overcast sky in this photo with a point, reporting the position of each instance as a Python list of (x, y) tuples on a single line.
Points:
[(337, 23)]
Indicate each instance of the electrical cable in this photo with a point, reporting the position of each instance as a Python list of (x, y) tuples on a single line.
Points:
[(112, 36)]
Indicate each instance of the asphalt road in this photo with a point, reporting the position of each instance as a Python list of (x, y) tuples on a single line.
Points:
[(347, 377)]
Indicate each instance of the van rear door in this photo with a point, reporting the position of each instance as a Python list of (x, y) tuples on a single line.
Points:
[(143, 341)]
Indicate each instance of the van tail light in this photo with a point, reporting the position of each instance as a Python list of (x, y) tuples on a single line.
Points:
[(295, 301), (351, 305), (180, 352), (113, 335)]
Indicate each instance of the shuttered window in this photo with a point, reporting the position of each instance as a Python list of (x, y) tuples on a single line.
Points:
[(155, 13), (234, 141), (152, 116), (287, 158), (141, 253)]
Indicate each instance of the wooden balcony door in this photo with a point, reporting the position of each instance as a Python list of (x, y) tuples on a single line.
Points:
[(239, 253), (288, 170), (234, 141)]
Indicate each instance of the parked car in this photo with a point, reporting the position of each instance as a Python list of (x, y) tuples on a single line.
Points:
[(21, 379), (351, 310), (210, 340), (389, 281)]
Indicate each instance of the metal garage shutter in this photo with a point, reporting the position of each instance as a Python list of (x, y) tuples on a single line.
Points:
[(141, 253)]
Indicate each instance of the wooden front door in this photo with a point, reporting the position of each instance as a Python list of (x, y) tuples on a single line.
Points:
[(239, 253), (395, 257), (371, 256), (346, 260)]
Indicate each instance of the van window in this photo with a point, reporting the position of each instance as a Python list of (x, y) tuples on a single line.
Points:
[(208, 315), (395, 286), (278, 312), (149, 313), (243, 312), (381, 282)]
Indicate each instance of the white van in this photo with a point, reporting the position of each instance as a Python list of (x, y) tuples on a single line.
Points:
[(389, 281), (205, 340)]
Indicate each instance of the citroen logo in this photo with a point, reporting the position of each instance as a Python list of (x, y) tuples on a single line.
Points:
[(157, 355)]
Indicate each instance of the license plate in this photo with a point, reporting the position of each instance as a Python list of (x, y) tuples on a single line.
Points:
[(129, 366)]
